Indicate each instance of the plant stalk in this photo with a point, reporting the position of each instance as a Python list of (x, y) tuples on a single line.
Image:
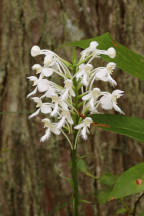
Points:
[(75, 181)]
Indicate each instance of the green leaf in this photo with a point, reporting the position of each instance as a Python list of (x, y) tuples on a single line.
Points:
[(125, 59), (141, 214), (108, 179), (125, 125), (81, 164), (103, 196), (127, 183)]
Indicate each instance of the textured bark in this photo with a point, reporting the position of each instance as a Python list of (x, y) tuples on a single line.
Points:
[(30, 182)]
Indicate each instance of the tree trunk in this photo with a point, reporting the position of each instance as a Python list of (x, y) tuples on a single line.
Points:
[(30, 182)]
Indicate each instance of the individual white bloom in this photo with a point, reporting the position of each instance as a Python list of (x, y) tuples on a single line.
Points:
[(49, 60), (65, 119), (84, 127), (54, 61), (42, 107), (51, 127), (92, 98), (44, 71), (57, 104), (35, 51), (84, 73), (68, 89), (109, 101), (42, 84), (104, 74), (91, 49)]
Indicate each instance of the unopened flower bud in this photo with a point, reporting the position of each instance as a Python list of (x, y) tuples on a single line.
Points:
[(111, 52), (37, 68), (93, 44), (35, 50)]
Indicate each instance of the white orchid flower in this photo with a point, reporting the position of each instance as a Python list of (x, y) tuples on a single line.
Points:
[(44, 108), (84, 73), (104, 74), (92, 50), (58, 105), (42, 85), (68, 89), (92, 98), (51, 59), (51, 127), (65, 119), (109, 101), (84, 127)]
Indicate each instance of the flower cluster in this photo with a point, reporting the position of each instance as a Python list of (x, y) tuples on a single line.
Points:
[(60, 104)]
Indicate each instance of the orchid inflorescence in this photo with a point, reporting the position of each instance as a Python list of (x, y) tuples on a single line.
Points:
[(62, 104)]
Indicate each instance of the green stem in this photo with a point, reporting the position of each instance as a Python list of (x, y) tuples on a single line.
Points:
[(75, 181)]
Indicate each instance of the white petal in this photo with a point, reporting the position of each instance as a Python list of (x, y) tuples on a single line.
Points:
[(83, 133), (61, 123), (32, 93), (79, 126), (55, 110), (56, 130), (112, 81), (65, 94), (49, 58), (43, 85), (34, 114), (45, 108), (102, 75), (32, 78), (47, 72), (106, 102), (70, 120), (91, 103), (85, 80), (86, 97), (46, 135), (118, 93), (64, 105), (36, 99), (116, 107)]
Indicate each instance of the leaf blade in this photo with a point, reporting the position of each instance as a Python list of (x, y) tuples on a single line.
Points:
[(124, 125)]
